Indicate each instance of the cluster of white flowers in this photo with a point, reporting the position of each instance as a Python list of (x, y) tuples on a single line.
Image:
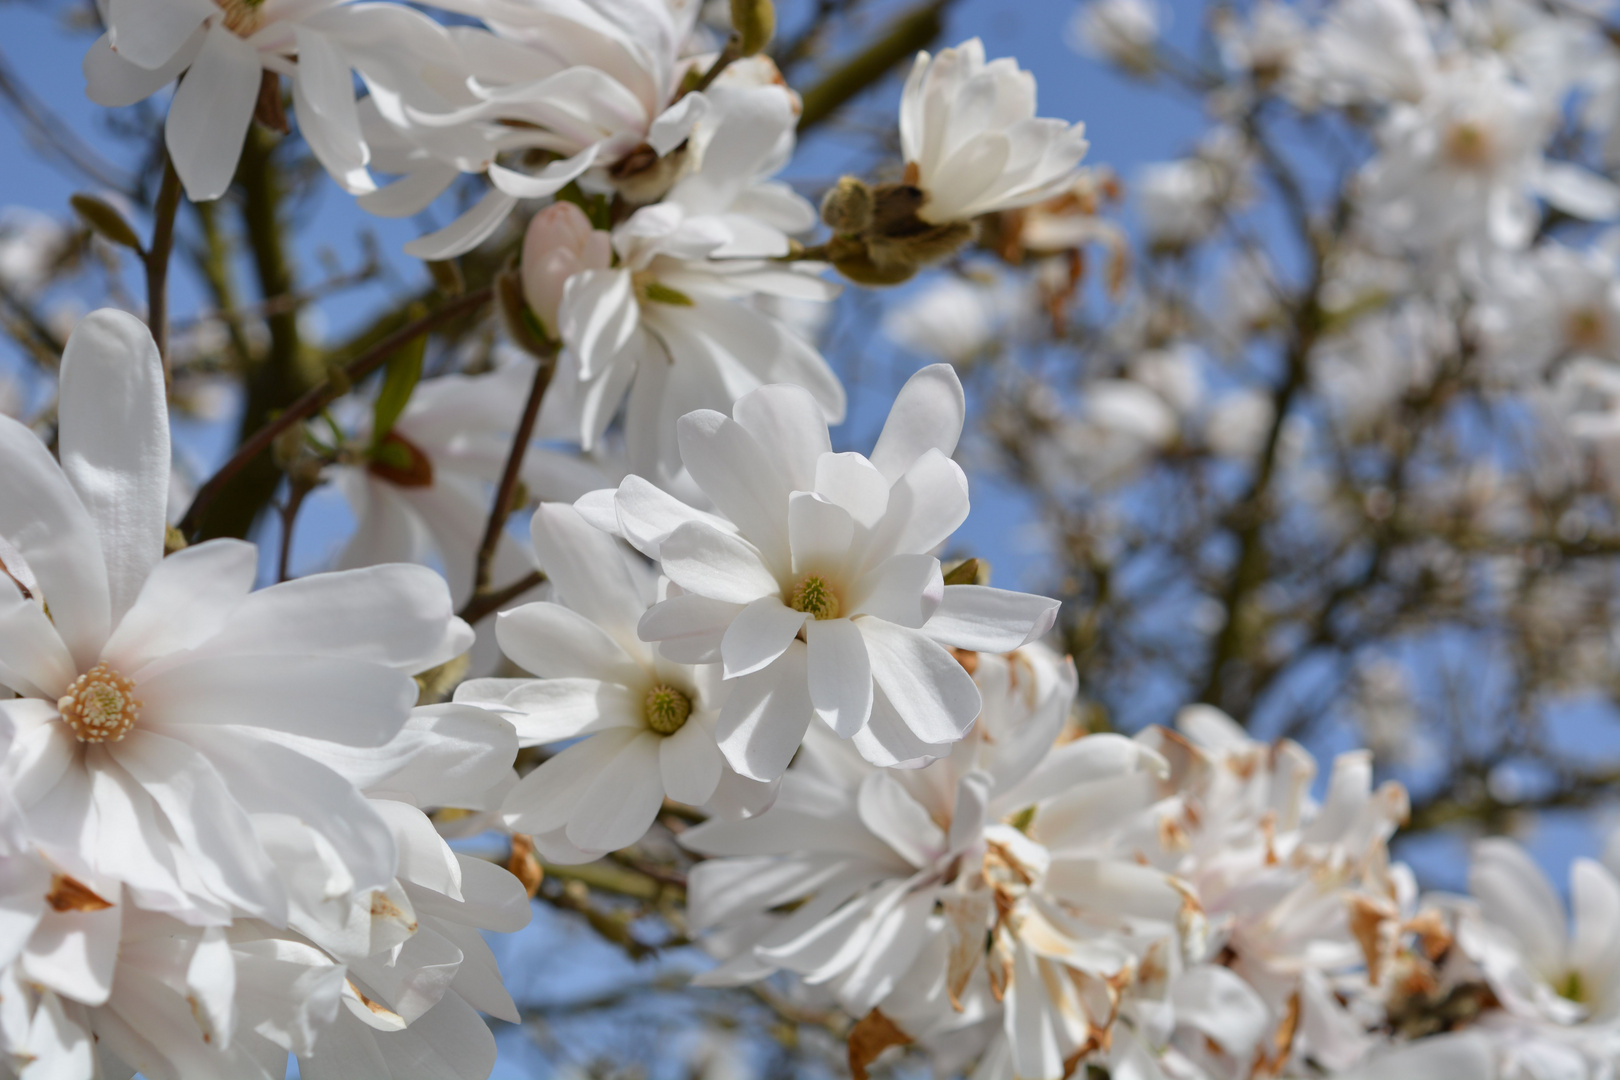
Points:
[(219, 844)]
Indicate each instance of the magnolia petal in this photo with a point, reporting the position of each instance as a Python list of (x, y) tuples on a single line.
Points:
[(115, 444)]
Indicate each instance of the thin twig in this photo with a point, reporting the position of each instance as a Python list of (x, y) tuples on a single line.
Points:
[(485, 603), (319, 396), (509, 477), (156, 259)]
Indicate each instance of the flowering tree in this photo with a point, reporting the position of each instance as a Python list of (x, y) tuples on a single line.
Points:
[(1319, 440)]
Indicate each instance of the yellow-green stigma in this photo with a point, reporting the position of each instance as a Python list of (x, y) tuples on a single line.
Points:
[(815, 598), (1573, 988), (667, 709)]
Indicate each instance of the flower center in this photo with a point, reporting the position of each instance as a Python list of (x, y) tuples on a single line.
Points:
[(1468, 144), (667, 709), (241, 16), (100, 705), (1573, 988), (815, 598)]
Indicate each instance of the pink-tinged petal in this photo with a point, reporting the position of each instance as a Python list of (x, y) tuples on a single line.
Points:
[(819, 534), (718, 565), (840, 674), (854, 483), (689, 629), (788, 420), (207, 821), (983, 619), (328, 118), (933, 695), (903, 589), (397, 616), (622, 801), (587, 568), (115, 444), (550, 710), (691, 763), (738, 473), (548, 797), (114, 80), (74, 953), (148, 32), (759, 634), (33, 660), (210, 113), (42, 518), (185, 601), (344, 701), (925, 506), (927, 415), (553, 642), (467, 231), (765, 717)]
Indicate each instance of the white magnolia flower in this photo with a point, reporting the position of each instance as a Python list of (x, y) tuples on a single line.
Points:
[(1285, 886), (1553, 304), (187, 1001), (1465, 162), (1375, 51), (31, 243), (817, 591), (648, 722), (422, 494), (418, 969), (887, 886), (597, 84), (1123, 31), (161, 704), (971, 140), (231, 55), (953, 318), (670, 329), (1539, 962)]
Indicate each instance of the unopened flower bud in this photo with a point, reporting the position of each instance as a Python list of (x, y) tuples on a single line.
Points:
[(755, 23), (847, 208), (559, 244)]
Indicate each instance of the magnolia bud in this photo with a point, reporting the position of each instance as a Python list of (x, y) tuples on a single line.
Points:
[(847, 207), (559, 244), (755, 23)]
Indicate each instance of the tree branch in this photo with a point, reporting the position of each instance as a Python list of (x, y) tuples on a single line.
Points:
[(313, 400)]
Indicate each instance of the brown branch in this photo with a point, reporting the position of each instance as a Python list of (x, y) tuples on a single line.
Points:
[(323, 394), (485, 603), (156, 261), (509, 477)]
